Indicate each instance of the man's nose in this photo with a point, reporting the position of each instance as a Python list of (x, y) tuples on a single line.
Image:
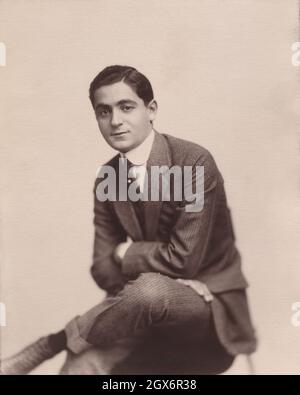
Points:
[(116, 119)]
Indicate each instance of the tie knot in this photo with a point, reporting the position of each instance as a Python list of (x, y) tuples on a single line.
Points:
[(129, 164), (131, 171)]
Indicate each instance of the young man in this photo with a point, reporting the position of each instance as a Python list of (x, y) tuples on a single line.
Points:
[(169, 270)]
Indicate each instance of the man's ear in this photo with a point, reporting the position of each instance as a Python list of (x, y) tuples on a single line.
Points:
[(152, 110)]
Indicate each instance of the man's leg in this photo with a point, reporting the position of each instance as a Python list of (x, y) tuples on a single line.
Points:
[(185, 352), (172, 321), (30, 357), (151, 301)]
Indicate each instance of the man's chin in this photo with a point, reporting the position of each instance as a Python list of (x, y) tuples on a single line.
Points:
[(122, 146)]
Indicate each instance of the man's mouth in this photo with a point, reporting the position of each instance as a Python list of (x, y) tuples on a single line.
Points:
[(115, 134)]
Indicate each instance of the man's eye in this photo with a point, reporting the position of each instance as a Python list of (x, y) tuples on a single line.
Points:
[(103, 113), (126, 108)]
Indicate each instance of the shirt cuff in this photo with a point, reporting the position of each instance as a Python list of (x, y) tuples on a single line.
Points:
[(121, 249)]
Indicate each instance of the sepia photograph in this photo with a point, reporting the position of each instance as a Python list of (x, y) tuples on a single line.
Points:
[(150, 187)]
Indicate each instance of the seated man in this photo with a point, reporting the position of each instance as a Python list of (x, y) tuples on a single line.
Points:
[(169, 263)]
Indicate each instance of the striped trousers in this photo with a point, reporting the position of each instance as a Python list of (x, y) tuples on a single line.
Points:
[(162, 326)]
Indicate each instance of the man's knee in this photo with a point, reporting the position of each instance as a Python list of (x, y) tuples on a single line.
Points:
[(149, 289)]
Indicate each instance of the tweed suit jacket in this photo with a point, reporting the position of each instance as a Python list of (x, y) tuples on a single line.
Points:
[(179, 244)]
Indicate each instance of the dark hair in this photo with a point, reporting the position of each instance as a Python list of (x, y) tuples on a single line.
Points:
[(136, 80)]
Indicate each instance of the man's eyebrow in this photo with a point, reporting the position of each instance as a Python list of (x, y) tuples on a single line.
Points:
[(126, 101), (102, 105), (120, 102)]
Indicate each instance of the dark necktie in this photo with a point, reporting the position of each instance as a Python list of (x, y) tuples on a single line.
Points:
[(138, 205), (131, 179)]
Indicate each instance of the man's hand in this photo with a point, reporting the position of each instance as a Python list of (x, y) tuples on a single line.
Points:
[(121, 249), (199, 287)]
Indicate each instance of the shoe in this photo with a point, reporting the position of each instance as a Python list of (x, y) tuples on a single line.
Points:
[(27, 359)]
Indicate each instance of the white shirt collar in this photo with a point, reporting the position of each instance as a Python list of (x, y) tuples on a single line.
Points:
[(140, 154)]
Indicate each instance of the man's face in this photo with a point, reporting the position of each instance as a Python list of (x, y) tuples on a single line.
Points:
[(123, 118)]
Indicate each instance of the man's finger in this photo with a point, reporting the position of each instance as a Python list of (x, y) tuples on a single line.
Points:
[(208, 296), (199, 287), (182, 281), (202, 290)]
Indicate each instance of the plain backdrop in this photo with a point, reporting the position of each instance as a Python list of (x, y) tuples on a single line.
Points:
[(222, 75)]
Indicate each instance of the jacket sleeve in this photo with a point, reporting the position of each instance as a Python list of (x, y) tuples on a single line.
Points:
[(184, 253), (108, 234)]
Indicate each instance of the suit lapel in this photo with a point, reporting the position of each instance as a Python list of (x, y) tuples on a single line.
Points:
[(126, 212), (159, 156), (129, 220)]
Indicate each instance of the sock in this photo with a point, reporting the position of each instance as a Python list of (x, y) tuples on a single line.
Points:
[(58, 341)]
